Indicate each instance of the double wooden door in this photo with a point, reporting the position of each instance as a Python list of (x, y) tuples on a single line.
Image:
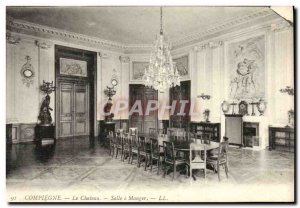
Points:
[(141, 95), (180, 117), (73, 118)]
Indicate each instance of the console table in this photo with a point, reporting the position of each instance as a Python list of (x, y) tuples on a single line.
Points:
[(213, 129), (281, 138)]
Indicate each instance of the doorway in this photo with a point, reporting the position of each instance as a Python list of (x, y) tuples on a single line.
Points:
[(140, 93), (75, 72), (179, 94)]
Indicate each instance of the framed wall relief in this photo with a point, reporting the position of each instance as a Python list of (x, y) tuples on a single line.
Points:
[(73, 67), (138, 71), (182, 63), (246, 68)]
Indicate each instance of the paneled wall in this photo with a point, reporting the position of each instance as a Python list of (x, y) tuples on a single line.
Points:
[(208, 75), (22, 102)]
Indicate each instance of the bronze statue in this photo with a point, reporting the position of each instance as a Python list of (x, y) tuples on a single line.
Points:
[(45, 115)]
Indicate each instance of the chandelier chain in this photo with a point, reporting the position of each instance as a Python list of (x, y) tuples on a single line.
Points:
[(161, 16)]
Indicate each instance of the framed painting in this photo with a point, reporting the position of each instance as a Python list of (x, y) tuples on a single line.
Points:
[(246, 68), (138, 71), (182, 63), (73, 67)]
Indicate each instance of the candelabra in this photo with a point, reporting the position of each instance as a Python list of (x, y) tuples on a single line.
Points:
[(47, 87), (204, 97), (109, 92), (45, 115)]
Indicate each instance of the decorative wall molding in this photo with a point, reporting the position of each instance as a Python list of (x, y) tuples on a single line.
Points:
[(18, 25), (28, 26), (12, 39), (124, 59), (43, 45), (224, 26), (104, 55), (208, 45), (280, 26)]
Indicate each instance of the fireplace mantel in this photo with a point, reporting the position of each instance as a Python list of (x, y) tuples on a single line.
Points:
[(263, 128)]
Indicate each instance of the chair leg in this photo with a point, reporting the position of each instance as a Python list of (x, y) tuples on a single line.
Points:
[(139, 160), (174, 172), (226, 170), (187, 170), (158, 162), (165, 169), (122, 154), (151, 161), (218, 169), (146, 162), (129, 155), (131, 158)]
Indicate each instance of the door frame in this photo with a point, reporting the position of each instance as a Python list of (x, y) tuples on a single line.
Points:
[(156, 96), (74, 53)]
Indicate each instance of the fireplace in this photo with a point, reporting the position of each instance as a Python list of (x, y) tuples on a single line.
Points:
[(251, 134)]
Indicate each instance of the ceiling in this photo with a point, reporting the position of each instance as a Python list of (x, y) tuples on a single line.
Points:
[(130, 25)]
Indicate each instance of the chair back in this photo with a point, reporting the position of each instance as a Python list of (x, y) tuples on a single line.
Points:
[(154, 147), (133, 131), (223, 150), (126, 140), (152, 132), (169, 151), (111, 137), (119, 138), (205, 138), (142, 144), (134, 141), (181, 135), (195, 154), (121, 131), (160, 131)]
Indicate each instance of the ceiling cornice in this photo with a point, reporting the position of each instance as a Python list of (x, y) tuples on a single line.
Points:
[(18, 25)]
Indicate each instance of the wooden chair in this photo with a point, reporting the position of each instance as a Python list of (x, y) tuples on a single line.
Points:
[(119, 144), (220, 159), (171, 132), (142, 152), (152, 132), (197, 158), (155, 154), (134, 147), (112, 143), (170, 158), (126, 146)]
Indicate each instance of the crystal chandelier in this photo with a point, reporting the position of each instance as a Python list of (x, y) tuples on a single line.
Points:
[(162, 73)]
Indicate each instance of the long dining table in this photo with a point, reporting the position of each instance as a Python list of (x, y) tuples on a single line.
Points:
[(181, 145)]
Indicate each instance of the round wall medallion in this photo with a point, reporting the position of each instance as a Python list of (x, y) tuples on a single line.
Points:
[(114, 82)]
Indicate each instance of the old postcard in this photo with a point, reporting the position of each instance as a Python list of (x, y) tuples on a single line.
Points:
[(142, 104)]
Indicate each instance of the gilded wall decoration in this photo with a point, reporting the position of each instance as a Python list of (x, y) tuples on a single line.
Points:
[(27, 72), (182, 64), (73, 67), (246, 65), (138, 70)]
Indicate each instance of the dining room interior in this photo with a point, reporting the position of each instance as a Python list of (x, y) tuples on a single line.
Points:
[(151, 98)]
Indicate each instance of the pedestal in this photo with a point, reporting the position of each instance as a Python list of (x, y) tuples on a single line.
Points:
[(44, 132)]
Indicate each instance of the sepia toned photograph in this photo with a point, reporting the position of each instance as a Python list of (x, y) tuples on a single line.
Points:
[(150, 104)]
